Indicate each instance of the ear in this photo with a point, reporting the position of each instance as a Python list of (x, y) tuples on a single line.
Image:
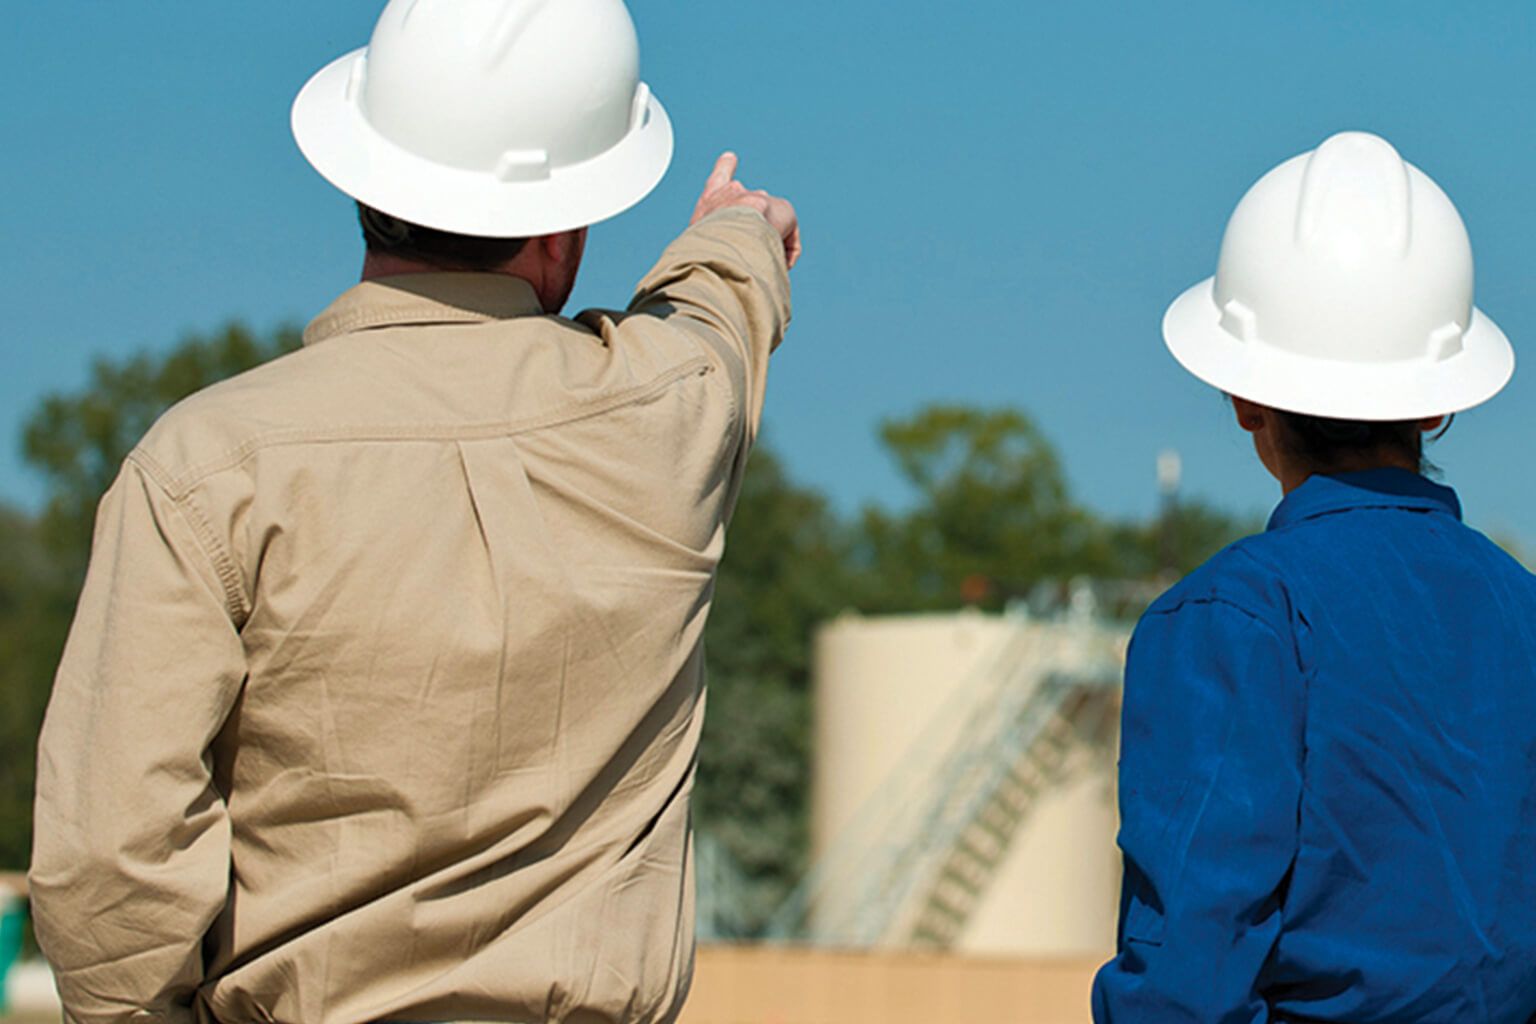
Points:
[(553, 247), (561, 246), (1250, 415), (1433, 423)]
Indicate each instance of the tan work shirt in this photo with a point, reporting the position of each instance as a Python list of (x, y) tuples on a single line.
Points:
[(384, 693)]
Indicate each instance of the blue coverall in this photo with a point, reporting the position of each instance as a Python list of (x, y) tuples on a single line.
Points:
[(1328, 774)]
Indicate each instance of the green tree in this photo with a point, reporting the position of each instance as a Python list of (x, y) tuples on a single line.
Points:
[(78, 441), (785, 571), (1173, 544), (994, 519), (993, 508), (35, 606)]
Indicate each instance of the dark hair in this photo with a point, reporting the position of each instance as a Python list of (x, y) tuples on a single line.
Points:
[(1325, 444), (391, 236)]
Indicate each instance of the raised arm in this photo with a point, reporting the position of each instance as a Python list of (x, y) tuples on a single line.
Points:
[(726, 279), (131, 862)]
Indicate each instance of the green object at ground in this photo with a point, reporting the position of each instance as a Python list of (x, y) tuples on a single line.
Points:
[(13, 919)]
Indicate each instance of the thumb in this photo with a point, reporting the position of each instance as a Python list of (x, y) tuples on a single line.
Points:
[(724, 172)]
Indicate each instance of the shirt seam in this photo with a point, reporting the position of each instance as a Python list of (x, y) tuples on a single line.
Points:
[(1218, 599), (231, 579), (424, 315), (177, 487), (1424, 506), (736, 405)]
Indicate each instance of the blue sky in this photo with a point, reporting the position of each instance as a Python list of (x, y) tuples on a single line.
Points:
[(999, 199)]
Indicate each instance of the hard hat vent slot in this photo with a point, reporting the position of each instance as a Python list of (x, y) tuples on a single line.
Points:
[(523, 165), (1447, 343), (1239, 321), (641, 111), (510, 28), (1356, 196), (356, 79)]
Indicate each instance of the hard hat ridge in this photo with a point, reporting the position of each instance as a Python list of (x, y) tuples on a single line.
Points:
[(1344, 289), (1356, 180)]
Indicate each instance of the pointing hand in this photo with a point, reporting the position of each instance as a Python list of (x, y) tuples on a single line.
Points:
[(722, 190)]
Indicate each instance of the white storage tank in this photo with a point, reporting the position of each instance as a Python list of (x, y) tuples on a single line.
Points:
[(892, 694)]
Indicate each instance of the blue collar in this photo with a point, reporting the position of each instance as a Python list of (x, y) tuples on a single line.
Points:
[(1372, 488)]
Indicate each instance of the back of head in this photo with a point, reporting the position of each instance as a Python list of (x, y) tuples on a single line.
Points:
[(444, 250), (1326, 445)]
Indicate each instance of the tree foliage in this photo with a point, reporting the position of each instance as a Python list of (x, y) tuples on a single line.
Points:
[(992, 506), (36, 602), (786, 570), (994, 519)]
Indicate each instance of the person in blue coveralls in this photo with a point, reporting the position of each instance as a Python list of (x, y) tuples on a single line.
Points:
[(1328, 773)]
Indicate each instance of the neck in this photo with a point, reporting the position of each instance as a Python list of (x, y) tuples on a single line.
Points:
[(1293, 474), (379, 265), (526, 267)]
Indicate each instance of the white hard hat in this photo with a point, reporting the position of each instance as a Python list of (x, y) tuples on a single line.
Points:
[(496, 118), (1344, 290)]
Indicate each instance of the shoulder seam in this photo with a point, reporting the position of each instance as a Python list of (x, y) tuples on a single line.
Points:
[(360, 322), (1242, 548)]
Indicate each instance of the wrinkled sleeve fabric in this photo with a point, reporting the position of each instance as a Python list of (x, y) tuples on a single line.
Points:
[(131, 856), (725, 280), (1210, 790)]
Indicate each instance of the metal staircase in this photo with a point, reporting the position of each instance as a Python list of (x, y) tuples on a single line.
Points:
[(983, 842), (916, 860)]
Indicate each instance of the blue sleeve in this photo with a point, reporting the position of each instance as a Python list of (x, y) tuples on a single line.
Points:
[(1210, 788)]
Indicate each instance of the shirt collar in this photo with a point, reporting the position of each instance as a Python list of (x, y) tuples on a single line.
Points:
[(1372, 488), (456, 298)]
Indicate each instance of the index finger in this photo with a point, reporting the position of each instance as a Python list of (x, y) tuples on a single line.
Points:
[(724, 172)]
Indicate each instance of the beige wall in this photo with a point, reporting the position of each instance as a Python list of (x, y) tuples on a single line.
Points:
[(786, 985), (783, 985)]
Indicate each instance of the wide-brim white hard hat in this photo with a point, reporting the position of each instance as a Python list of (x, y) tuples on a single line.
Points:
[(1344, 290), (493, 118)]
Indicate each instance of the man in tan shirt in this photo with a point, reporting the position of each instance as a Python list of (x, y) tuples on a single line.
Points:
[(384, 694)]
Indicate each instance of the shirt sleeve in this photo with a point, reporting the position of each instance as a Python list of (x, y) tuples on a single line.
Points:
[(726, 280), (131, 858), (1210, 788)]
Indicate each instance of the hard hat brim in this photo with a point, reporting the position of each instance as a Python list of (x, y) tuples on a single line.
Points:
[(1392, 391), (337, 140)]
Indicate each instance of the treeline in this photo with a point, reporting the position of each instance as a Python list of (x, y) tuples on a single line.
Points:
[(992, 520)]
